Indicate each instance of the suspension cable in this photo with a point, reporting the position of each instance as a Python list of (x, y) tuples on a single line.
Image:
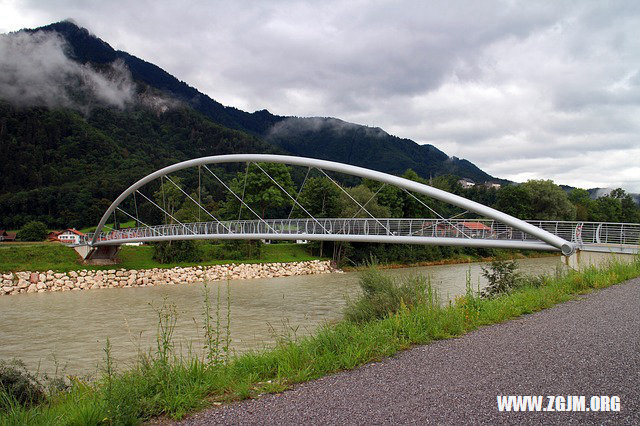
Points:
[(344, 225), (369, 200), (436, 213), (198, 204), (299, 192), (166, 212), (135, 203), (354, 200), (240, 199), (452, 217), (164, 203), (144, 224), (244, 187), (294, 200)]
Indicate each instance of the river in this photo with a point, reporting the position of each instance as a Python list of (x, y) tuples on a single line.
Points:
[(67, 331)]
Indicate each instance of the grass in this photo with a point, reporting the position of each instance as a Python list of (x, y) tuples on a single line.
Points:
[(165, 384), (109, 226), (58, 257)]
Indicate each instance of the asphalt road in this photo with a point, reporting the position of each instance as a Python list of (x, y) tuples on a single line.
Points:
[(589, 346)]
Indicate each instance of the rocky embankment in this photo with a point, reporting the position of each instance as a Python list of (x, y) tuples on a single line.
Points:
[(39, 282)]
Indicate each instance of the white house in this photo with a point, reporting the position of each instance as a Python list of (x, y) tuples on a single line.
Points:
[(466, 183), (70, 236)]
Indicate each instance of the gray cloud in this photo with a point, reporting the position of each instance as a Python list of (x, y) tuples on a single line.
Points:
[(34, 70), (523, 89)]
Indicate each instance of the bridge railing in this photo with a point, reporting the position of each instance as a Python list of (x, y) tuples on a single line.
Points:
[(582, 233)]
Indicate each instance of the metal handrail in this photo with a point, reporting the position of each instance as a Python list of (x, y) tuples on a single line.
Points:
[(582, 233)]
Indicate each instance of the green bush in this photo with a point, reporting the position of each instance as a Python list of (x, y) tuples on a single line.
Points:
[(33, 231), (234, 249), (177, 251), (503, 277), (383, 295), (18, 386)]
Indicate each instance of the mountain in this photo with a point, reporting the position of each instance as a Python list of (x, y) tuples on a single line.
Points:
[(86, 48), (64, 168), (81, 121), (337, 140), (325, 138)]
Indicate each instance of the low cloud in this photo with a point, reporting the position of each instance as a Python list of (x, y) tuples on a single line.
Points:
[(35, 71), (296, 126)]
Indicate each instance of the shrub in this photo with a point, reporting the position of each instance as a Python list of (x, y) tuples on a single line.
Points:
[(234, 249), (503, 277), (177, 251), (383, 295), (19, 386), (33, 231)]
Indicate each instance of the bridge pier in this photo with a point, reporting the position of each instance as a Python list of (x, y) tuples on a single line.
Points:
[(582, 259), (100, 255)]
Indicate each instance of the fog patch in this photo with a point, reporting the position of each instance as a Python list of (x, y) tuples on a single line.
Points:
[(36, 71), (603, 192), (157, 101), (296, 126)]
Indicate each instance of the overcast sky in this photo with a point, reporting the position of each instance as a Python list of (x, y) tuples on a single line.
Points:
[(524, 89)]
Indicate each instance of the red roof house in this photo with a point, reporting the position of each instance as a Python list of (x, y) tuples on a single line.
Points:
[(7, 236)]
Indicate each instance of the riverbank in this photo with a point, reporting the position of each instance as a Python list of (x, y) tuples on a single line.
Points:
[(510, 255), (34, 282), (42, 257), (165, 384)]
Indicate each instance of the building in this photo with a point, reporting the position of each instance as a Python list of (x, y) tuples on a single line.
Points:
[(53, 235), (466, 183), (7, 236), (477, 229), (463, 229), (70, 236)]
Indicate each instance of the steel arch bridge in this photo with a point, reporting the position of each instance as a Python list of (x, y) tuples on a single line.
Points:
[(494, 229)]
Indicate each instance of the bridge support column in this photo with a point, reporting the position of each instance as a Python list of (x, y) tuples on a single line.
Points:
[(101, 255), (583, 259)]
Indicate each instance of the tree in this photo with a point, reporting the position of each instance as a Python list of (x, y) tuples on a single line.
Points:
[(630, 210), (388, 196), (177, 251), (581, 199), (32, 231), (169, 197), (366, 198), (606, 209), (548, 201), (191, 212), (260, 193), (411, 207), (514, 200), (320, 197), (536, 200)]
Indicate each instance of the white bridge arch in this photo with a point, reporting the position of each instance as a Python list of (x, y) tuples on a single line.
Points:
[(506, 231)]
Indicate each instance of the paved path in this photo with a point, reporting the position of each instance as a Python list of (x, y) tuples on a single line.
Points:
[(589, 346)]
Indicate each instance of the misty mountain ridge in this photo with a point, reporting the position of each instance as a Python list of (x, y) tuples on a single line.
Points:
[(325, 138)]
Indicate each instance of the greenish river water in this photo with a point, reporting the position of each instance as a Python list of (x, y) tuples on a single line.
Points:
[(68, 330)]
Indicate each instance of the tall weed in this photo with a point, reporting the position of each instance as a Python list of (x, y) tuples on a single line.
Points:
[(383, 295)]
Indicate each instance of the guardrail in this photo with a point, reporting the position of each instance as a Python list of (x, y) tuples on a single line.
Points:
[(581, 233)]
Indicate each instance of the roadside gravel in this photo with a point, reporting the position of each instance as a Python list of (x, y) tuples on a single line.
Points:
[(589, 346)]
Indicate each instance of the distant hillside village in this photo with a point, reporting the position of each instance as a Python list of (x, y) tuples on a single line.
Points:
[(468, 183)]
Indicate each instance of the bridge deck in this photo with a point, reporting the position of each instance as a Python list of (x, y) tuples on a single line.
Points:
[(614, 237)]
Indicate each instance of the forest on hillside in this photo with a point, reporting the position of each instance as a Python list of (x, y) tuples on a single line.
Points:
[(64, 168)]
